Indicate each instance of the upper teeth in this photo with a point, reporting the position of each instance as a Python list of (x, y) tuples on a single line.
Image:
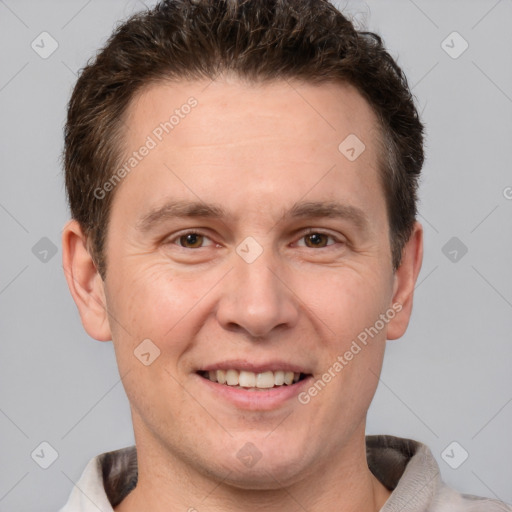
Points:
[(247, 379)]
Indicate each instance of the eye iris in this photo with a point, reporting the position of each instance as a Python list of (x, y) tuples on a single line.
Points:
[(316, 239), (191, 239), (195, 240)]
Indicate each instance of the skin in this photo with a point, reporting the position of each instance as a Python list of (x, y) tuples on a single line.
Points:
[(255, 150)]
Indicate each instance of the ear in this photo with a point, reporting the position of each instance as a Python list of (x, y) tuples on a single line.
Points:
[(84, 281), (405, 281)]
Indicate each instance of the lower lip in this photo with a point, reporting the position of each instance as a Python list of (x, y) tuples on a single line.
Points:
[(256, 400)]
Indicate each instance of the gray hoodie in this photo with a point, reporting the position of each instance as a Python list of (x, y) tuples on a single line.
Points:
[(404, 466)]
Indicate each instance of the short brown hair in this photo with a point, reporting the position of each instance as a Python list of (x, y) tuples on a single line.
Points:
[(258, 40)]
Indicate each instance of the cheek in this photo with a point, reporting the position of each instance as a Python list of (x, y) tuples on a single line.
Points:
[(348, 301), (152, 303), (153, 299), (353, 337), (352, 334)]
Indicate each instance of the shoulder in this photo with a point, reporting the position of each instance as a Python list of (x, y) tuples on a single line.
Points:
[(409, 469), (105, 481), (449, 500)]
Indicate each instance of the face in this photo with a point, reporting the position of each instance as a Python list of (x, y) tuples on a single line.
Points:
[(245, 245)]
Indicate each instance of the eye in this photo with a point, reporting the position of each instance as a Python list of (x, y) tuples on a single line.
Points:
[(196, 240), (317, 239), (190, 240)]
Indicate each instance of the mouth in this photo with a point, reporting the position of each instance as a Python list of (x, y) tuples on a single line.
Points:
[(251, 381)]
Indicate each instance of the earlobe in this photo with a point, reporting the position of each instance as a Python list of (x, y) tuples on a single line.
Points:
[(84, 282), (405, 281)]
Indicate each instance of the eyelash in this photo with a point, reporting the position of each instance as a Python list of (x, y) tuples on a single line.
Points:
[(310, 231)]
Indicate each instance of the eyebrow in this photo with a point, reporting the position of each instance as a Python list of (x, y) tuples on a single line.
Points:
[(180, 209), (198, 209)]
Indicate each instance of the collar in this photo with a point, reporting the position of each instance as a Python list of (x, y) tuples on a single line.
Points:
[(405, 467)]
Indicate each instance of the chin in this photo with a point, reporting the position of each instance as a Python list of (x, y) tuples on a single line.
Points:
[(250, 468), (267, 476)]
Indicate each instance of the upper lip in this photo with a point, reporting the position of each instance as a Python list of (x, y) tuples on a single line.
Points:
[(243, 364)]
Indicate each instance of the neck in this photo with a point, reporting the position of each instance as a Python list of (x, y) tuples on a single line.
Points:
[(343, 483)]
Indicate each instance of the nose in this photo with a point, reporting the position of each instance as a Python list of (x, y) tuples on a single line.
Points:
[(258, 297)]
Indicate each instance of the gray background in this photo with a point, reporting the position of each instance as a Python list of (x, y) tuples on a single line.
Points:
[(448, 379)]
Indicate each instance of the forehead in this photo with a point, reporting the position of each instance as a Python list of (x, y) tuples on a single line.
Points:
[(325, 112), (276, 139)]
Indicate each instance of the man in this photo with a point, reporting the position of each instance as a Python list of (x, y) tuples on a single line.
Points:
[(242, 178)]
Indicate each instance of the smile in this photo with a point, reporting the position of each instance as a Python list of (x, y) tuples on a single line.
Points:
[(251, 381)]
